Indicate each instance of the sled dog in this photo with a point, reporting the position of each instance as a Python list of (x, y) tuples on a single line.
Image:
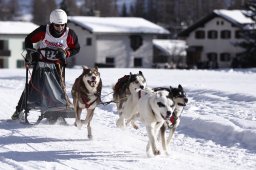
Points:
[(180, 99), (126, 97), (86, 93), (154, 109)]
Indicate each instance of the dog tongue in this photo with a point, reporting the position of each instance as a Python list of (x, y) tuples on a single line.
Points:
[(172, 119)]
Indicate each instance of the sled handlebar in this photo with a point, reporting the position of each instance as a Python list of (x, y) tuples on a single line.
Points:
[(49, 55)]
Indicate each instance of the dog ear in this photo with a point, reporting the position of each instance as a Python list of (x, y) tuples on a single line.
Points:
[(84, 67), (140, 73), (180, 87), (96, 68), (130, 77)]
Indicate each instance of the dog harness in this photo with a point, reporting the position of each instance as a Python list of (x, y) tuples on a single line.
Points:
[(86, 101), (81, 93)]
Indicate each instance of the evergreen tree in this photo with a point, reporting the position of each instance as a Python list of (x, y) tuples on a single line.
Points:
[(124, 10), (248, 57)]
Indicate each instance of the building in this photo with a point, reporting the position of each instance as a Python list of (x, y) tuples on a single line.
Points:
[(212, 39), (12, 36), (115, 41), (169, 53)]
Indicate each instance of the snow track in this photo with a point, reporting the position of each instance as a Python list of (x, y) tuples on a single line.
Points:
[(217, 130)]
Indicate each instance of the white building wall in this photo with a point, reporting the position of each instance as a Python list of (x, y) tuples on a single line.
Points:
[(118, 46), (218, 45), (87, 54), (15, 45), (111, 45), (146, 51)]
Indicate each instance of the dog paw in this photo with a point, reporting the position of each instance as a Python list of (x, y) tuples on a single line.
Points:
[(78, 124), (90, 137), (120, 123), (156, 152), (166, 153), (136, 127)]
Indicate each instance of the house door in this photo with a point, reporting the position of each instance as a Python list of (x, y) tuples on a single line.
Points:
[(1, 63), (194, 56)]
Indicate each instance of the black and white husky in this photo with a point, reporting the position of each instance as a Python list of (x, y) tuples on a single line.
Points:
[(180, 99), (126, 97)]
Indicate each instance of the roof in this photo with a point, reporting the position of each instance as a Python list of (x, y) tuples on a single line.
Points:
[(236, 17), (16, 27), (117, 25), (171, 47)]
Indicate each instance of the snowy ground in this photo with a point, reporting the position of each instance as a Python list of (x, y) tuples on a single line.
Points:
[(217, 130)]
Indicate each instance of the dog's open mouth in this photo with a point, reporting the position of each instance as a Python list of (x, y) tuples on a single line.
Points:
[(182, 104), (91, 83)]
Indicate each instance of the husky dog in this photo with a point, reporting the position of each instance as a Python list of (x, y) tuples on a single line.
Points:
[(126, 97), (180, 99), (154, 109), (86, 93)]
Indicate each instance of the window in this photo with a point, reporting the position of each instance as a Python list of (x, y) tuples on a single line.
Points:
[(238, 34), (137, 62), (110, 60), (225, 57), (225, 34), (212, 34), (20, 63), (212, 56), (23, 45), (136, 41), (88, 41), (199, 34), (1, 63), (1, 44)]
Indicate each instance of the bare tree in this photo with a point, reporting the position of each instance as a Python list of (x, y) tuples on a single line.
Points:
[(238, 4), (9, 10), (139, 9), (70, 7), (41, 11), (101, 7)]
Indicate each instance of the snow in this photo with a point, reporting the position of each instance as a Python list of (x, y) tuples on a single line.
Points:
[(234, 16), (16, 27), (117, 25), (217, 129), (171, 47)]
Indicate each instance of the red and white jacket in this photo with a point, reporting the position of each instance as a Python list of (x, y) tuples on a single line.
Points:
[(44, 35)]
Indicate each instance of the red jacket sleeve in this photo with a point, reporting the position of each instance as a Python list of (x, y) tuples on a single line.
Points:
[(35, 36), (73, 44)]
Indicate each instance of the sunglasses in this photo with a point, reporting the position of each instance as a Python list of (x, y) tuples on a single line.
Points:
[(59, 25)]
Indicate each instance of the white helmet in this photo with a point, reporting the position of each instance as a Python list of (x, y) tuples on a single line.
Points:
[(58, 16)]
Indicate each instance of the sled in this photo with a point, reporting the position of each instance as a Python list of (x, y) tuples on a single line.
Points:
[(45, 92)]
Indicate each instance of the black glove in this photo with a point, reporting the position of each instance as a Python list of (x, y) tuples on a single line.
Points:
[(61, 55), (32, 56)]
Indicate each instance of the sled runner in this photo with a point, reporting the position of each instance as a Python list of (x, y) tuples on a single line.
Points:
[(45, 91)]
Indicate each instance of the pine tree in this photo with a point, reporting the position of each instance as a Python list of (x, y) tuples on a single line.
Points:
[(248, 57)]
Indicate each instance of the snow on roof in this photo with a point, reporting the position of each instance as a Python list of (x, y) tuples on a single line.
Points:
[(16, 27), (171, 47), (117, 25), (234, 16)]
